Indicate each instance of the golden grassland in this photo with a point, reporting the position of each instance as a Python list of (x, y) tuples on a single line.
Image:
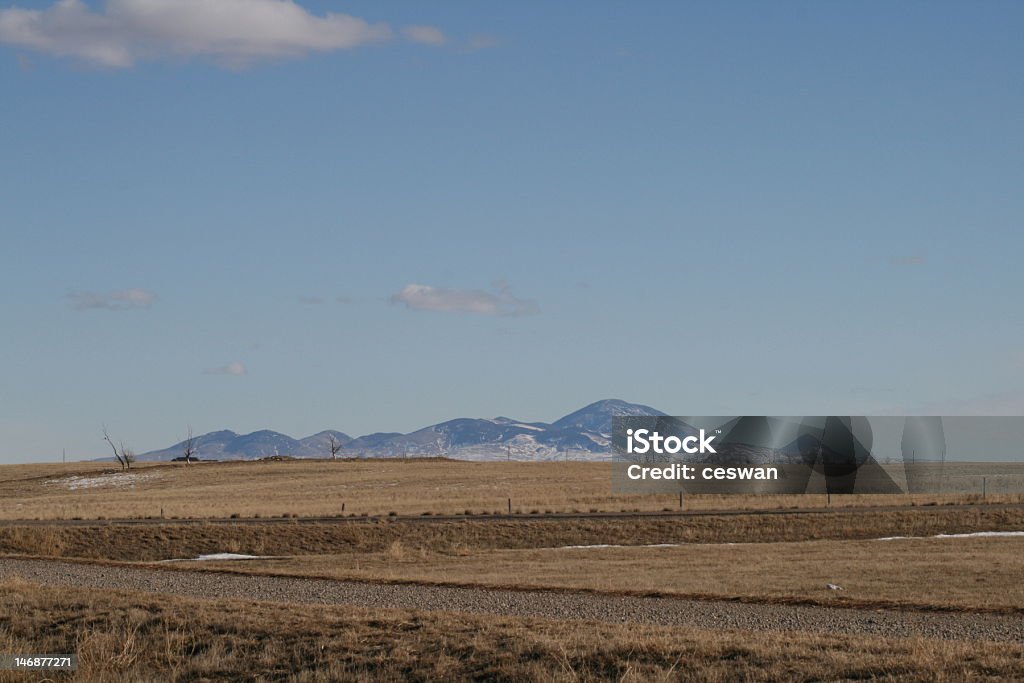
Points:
[(779, 558), (159, 541), (364, 487), (957, 574), (137, 637)]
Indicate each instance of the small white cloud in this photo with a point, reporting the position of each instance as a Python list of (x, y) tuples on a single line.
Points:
[(233, 32), (425, 35), (235, 369), (121, 300), (313, 300), (426, 298)]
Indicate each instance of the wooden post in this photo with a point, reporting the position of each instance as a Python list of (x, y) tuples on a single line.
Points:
[(510, 506), (342, 507), (984, 488), (680, 500)]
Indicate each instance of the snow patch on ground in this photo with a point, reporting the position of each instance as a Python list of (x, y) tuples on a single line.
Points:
[(218, 557), (109, 480), (649, 545), (975, 534)]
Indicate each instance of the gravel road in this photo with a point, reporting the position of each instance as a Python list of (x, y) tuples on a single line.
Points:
[(557, 605)]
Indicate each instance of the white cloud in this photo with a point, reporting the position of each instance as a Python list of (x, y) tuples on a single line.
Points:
[(232, 32), (312, 300), (425, 35), (120, 300), (426, 298), (235, 369)]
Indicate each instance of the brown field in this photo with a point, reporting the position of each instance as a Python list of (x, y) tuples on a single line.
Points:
[(135, 637), (160, 541), (758, 557), (962, 573), (366, 487), (777, 558)]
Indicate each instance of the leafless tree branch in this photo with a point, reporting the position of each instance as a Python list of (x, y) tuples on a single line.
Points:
[(117, 454), (189, 447)]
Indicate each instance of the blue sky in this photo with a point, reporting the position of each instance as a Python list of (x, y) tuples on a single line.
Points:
[(288, 220)]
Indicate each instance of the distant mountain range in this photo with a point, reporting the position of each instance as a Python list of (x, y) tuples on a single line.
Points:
[(585, 433)]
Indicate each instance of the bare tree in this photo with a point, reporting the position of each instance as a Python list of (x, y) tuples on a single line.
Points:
[(128, 455), (125, 457), (335, 446), (189, 447)]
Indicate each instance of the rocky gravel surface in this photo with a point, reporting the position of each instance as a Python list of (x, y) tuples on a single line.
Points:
[(549, 604)]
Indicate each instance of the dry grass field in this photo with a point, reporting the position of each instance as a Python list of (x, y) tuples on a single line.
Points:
[(362, 487), (161, 541), (388, 531), (954, 573), (138, 638)]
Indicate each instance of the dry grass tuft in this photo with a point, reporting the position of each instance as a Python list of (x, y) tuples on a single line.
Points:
[(395, 551)]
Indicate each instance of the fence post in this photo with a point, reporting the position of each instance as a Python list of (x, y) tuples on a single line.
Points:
[(510, 506)]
